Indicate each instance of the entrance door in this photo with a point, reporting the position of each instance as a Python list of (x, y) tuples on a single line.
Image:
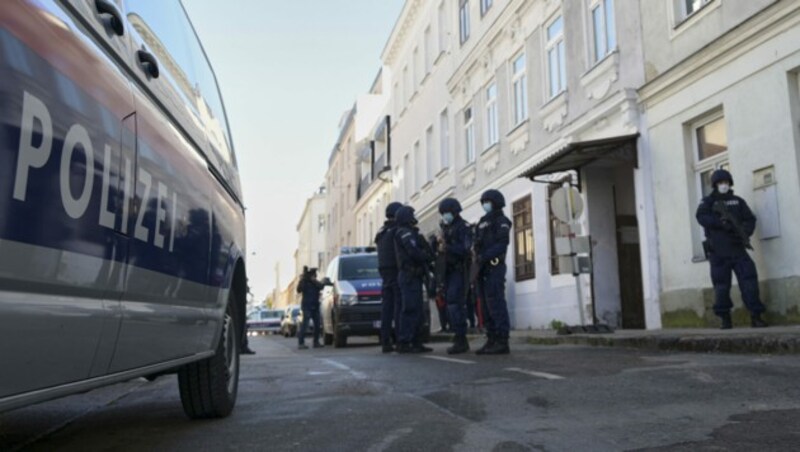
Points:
[(630, 272)]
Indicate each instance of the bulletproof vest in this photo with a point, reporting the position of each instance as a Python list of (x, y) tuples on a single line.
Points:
[(488, 229), (384, 241)]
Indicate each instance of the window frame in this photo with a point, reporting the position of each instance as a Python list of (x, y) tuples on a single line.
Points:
[(492, 120), (463, 21), (607, 35), (442, 27), (430, 155), (558, 44), (683, 12), (519, 79), (700, 166), (419, 167), (444, 140), (428, 50), (469, 135), (525, 268), (486, 5)]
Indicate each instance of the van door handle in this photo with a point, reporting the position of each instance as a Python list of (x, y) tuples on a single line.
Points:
[(107, 8), (148, 62)]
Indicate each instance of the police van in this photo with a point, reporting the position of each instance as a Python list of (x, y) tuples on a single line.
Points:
[(351, 304), (122, 236)]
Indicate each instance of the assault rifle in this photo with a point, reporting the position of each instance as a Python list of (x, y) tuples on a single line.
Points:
[(720, 209)]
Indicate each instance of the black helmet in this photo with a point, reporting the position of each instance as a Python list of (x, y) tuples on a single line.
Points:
[(450, 205), (495, 197), (391, 209), (405, 216), (719, 176)]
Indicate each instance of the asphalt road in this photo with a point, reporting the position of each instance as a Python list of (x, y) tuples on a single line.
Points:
[(356, 399)]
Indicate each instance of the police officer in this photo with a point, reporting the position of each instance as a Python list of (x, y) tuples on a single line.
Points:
[(387, 266), (491, 244), (728, 224), (310, 288), (413, 259), (455, 243)]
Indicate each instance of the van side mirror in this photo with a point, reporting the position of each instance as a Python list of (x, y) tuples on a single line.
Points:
[(327, 281)]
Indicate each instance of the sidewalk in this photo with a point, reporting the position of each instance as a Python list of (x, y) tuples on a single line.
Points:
[(772, 340)]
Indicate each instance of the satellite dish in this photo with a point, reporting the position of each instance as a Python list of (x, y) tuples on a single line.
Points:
[(560, 201)]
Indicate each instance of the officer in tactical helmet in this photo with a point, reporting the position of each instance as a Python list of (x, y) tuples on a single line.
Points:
[(728, 223), (452, 257), (491, 245), (387, 266), (414, 257)]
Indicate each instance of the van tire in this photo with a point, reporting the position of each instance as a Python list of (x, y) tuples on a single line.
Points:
[(208, 388)]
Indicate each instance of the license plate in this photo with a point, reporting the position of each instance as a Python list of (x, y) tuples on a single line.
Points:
[(376, 324)]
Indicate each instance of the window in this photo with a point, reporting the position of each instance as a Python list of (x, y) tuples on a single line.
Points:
[(397, 98), (604, 26), (406, 85), (359, 267), (419, 163), (710, 149), (556, 59), (469, 135), (170, 35), (321, 223), (524, 266), (485, 5), (417, 69), (557, 229), (491, 115), (430, 154), (463, 17), (408, 180), (686, 8), (428, 50), (442, 27), (519, 82), (444, 140), (320, 259)]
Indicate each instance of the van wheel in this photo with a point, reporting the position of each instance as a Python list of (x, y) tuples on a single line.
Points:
[(328, 339), (209, 387)]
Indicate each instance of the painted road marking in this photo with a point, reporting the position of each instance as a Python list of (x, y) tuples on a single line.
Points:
[(450, 360), (358, 375), (533, 373)]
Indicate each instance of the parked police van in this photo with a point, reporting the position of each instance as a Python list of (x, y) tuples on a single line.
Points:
[(122, 237)]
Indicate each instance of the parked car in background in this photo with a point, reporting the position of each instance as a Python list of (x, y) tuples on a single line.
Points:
[(265, 321), (292, 316), (351, 305)]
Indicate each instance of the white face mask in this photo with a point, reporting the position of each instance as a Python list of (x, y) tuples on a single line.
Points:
[(723, 188), (487, 207)]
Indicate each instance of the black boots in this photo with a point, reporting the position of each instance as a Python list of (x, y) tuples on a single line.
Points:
[(460, 345), (757, 322), (490, 340), (412, 348), (495, 346)]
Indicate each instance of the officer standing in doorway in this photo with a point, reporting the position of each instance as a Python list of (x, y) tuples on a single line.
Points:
[(491, 244), (728, 224), (413, 258), (387, 266), (455, 243)]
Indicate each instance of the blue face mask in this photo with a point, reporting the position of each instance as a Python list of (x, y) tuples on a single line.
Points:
[(487, 207), (448, 217)]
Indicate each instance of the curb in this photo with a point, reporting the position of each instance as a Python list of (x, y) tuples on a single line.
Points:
[(749, 344)]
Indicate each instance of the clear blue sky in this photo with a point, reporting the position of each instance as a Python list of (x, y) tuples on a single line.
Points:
[(288, 70)]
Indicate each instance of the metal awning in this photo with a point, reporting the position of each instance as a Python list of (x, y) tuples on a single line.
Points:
[(579, 154)]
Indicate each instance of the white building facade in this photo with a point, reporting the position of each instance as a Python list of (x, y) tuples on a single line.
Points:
[(312, 234), (723, 92)]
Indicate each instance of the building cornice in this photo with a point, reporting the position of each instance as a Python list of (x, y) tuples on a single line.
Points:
[(400, 31), (767, 24)]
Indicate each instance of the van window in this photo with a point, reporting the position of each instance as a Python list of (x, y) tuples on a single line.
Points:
[(359, 267), (167, 31)]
